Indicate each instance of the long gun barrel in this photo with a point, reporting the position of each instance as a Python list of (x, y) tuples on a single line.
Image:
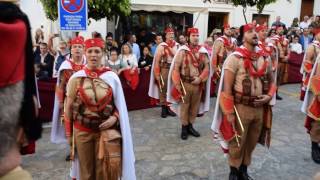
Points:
[(161, 83), (183, 91)]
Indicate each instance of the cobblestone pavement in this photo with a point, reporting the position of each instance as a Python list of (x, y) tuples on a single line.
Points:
[(161, 155)]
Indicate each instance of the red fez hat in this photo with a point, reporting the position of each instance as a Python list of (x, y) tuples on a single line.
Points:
[(226, 26), (248, 27), (169, 30), (260, 28), (316, 31), (77, 40), (12, 52), (95, 42), (193, 30)]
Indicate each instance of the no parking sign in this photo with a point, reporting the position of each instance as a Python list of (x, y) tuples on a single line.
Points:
[(73, 15)]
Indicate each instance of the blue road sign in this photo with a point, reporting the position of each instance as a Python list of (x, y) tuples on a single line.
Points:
[(73, 15)]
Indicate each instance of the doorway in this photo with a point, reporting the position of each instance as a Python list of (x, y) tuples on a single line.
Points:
[(306, 8), (217, 20), (261, 19)]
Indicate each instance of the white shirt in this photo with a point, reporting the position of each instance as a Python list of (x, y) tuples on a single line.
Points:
[(54, 72), (296, 47), (304, 25), (129, 60), (43, 57)]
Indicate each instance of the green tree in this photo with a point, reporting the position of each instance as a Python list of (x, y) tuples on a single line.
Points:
[(97, 9), (248, 3)]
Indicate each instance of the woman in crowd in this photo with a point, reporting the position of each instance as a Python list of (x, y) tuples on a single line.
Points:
[(127, 56), (145, 60), (96, 120), (131, 65), (208, 44), (39, 38), (295, 22), (295, 46), (114, 62)]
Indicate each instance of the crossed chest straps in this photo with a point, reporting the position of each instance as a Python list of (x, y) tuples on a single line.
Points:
[(67, 73), (168, 52), (96, 95), (194, 58), (252, 71), (316, 52)]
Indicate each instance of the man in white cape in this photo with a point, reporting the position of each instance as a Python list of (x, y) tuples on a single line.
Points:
[(311, 103), (159, 72), (309, 59), (66, 70), (188, 84), (239, 99)]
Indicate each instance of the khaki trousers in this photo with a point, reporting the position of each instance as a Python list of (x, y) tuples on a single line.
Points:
[(282, 76), (189, 109), (315, 131), (87, 145), (252, 120), (163, 95)]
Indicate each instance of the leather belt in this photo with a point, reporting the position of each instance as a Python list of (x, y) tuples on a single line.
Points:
[(165, 65), (90, 122), (186, 79), (245, 100)]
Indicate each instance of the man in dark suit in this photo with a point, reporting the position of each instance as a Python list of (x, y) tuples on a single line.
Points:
[(305, 39), (44, 63)]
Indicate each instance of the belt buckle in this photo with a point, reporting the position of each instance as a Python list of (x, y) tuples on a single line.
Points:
[(238, 98), (252, 99), (246, 100)]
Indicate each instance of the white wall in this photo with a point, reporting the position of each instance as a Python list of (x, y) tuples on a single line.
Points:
[(316, 8), (202, 24), (99, 26), (285, 9), (36, 15)]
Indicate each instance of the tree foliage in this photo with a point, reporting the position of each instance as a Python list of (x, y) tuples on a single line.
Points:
[(97, 9), (259, 3)]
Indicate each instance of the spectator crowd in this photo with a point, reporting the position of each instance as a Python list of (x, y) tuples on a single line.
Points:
[(137, 51)]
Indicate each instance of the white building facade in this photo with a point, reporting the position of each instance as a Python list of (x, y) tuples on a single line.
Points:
[(204, 14)]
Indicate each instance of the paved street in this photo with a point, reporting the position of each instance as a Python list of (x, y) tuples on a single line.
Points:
[(160, 154)]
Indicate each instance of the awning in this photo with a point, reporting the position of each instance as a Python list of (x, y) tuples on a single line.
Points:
[(166, 8)]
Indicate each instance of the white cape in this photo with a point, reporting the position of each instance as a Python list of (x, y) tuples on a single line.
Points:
[(58, 135), (204, 106), (302, 71), (309, 95), (153, 86), (128, 159), (275, 74)]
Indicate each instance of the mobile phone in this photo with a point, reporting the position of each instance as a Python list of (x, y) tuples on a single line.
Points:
[(56, 35)]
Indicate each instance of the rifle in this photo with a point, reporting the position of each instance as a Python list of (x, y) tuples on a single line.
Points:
[(161, 83), (218, 72), (183, 91), (241, 126), (73, 146)]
